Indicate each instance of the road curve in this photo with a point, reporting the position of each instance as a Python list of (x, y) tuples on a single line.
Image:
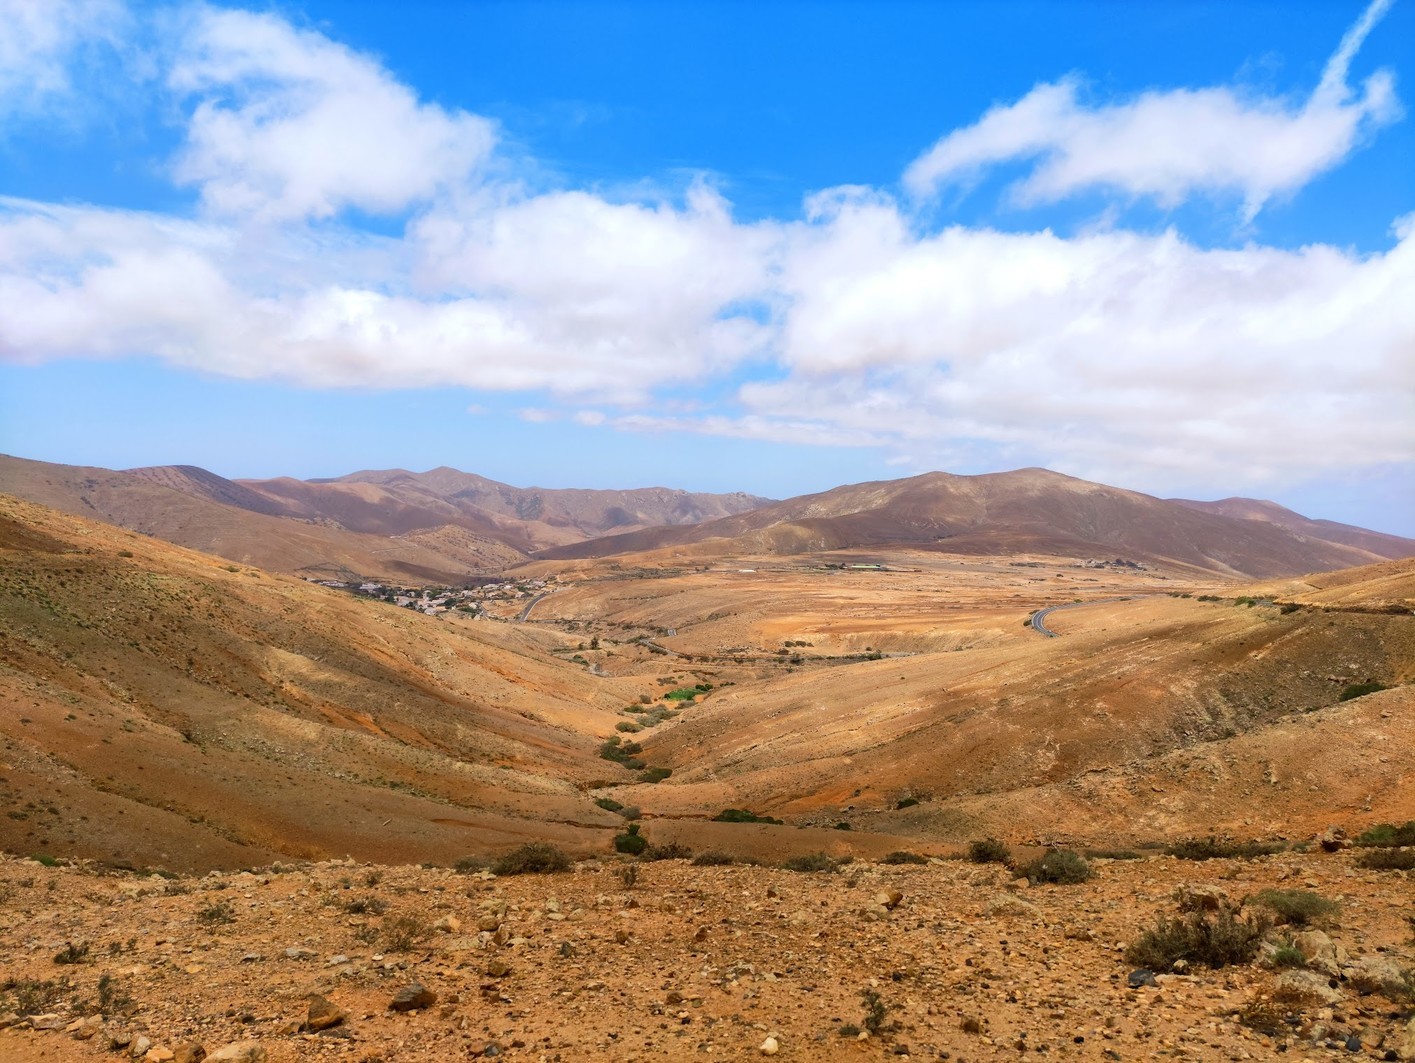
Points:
[(1039, 617), (526, 612)]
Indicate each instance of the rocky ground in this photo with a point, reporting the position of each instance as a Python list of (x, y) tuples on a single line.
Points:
[(623, 960)]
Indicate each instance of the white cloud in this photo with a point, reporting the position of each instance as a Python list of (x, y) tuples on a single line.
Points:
[(289, 124), (1170, 144), (40, 41), (1117, 355)]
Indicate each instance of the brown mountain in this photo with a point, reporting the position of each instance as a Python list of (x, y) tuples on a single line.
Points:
[(1026, 511), (197, 509), (440, 526), (1376, 543), (395, 501)]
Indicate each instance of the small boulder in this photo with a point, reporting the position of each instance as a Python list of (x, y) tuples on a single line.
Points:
[(1142, 977), (1377, 974), (238, 1052), (1332, 840), (890, 899), (498, 969), (413, 997), (189, 1052), (448, 924), (1005, 904), (769, 1047), (1308, 986), (323, 1013)]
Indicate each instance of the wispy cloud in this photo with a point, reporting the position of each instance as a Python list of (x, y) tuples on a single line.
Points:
[(1170, 144)]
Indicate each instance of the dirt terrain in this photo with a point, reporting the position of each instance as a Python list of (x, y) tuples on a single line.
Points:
[(948, 960)]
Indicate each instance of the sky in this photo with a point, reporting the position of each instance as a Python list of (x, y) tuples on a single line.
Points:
[(768, 247)]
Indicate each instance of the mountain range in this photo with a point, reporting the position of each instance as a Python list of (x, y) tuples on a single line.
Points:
[(447, 526)]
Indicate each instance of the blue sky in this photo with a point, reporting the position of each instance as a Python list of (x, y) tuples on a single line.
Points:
[(723, 246)]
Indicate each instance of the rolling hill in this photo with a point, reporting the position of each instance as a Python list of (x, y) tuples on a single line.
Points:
[(1026, 511)]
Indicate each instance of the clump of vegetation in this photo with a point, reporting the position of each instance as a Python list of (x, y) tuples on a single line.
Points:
[(403, 933), (1297, 907), (1388, 835), (72, 952), (631, 841), (1209, 939), (1212, 848), (365, 906), (655, 775), (687, 693), (671, 851), (903, 856), (811, 862), (218, 913), (1063, 867), (631, 812), (28, 996), (905, 802), (713, 858), (1388, 860), (469, 864), (842, 825), (1288, 956), (989, 851), (628, 727), (741, 815), (622, 752), (1358, 690), (628, 875), (536, 858), (113, 997), (608, 804)]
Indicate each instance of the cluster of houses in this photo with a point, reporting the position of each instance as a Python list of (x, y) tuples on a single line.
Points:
[(434, 601)]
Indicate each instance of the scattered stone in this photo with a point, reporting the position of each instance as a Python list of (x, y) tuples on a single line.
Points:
[(1377, 974), (890, 899), (498, 969), (160, 1054), (1307, 985), (323, 1014), (139, 1045), (448, 924), (48, 1022), (1005, 904), (189, 1052), (769, 1047), (413, 997), (238, 1052), (296, 953), (1332, 840), (1142, 977)]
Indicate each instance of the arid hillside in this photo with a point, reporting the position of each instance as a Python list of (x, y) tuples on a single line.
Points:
[(168, 708), (1027, 511), (441, 526)]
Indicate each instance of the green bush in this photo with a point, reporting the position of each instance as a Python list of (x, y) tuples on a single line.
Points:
[(671, 851), (622, 752), (741, 815), (1217, 939), (1388, 835), (1062, 867), (467, 864), (536, 858), (1357, 690), (631, 841), (608, 804), (989, 851), (365, 906), (1388, 860), (1297, 907), (655, 775), (217, 913), (403, 933), (713, 858), (1212, 848), (811, 862), (903, 856), (1289, 956)]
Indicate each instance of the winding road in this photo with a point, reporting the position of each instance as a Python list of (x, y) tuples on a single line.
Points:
[(526, 612), (1039, 617)]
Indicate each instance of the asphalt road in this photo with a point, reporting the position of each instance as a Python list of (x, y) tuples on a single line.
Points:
[(1039, 617), (526, 612)]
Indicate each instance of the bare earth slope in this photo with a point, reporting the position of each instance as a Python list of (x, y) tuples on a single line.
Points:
[(1029, 510), (194, 508), (1329, 530), (166, 708)]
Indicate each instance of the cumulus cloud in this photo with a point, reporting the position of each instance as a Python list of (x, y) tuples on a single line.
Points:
[(1118, 355), (1171, 144), (289, 124)]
